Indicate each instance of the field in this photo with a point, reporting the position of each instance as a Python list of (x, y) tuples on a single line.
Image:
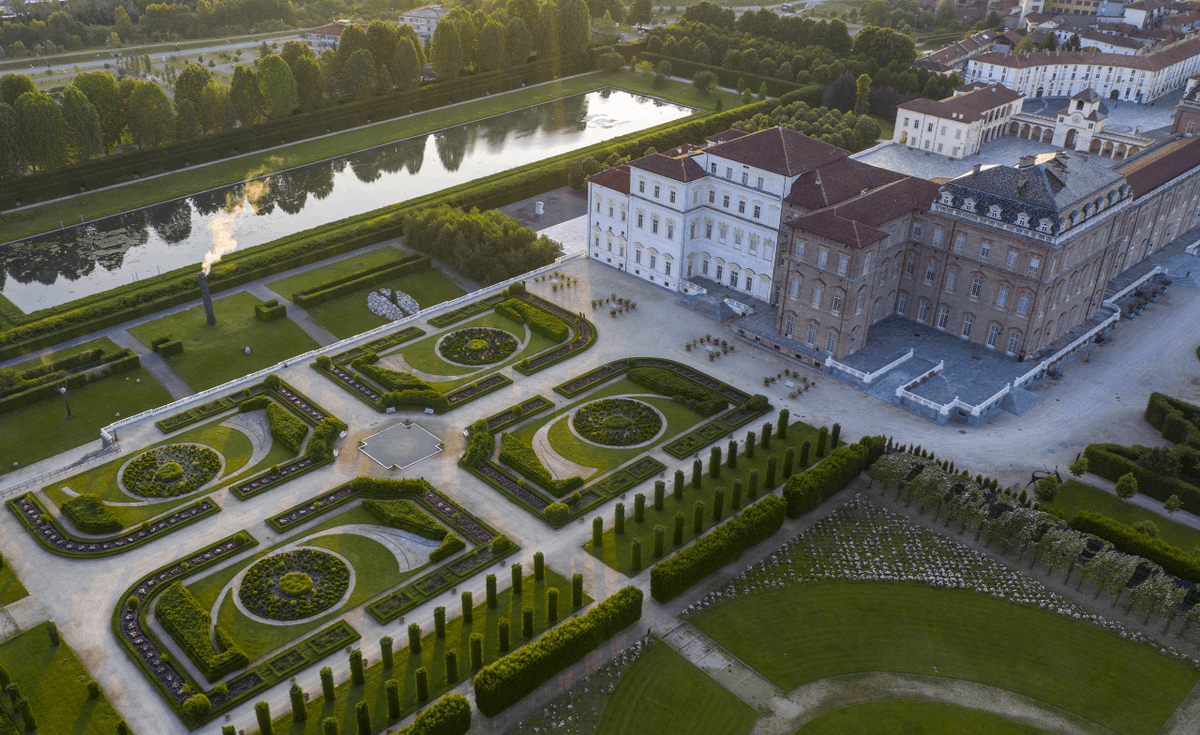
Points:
[(41, 429), (1075, 496), (54, 680), (11, 588), (912, 718), (215, 355)]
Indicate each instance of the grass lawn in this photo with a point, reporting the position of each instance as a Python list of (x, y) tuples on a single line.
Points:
[(56, 684), (663, 693), (802, 633), (214, 355), (278, 454), (616, 550), (901, 717), (11, 588), (184, 183), (101, 481), (887, 128), (1074, 496), (423, 354), (376, 570), (360, 261), (41, 429), (432, 658)]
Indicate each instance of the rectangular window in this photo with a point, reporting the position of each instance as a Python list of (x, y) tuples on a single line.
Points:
[(930, 272), (708, 230), (822, 257), (637, 256), (712, 196), (654, 226), (937, 235), (760, 182), (1034, 264), (812, 335), (800, 250), (693, 231), (725, 201), (966, 330), (993, 335), (741, 206), (985, 249), (641, 187), (951, 281), (859, 304), (816, 300), (959, 241), (837, 304), (902, 304), (843, 264), (704, 268), (757, 212), (943, 317), (728, 172), (657, 191), (749, 282), (672, 196), (713, 168), (754, 244), (910, 266), (791, 323), (1012, 342), (866, 264), (670, 232), (1023, 305), (737, 240), (667, 267), (922, 311), (639, 220), (830, 342), (745, 178), (720, 269), (1011, 263), (733, 279), (610, 210), (1002, 297), (653, 259), (976, 287), (941, 146), (597, 205), (722, 232)]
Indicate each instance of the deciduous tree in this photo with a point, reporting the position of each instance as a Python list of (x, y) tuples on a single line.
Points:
[(518, 42), (446, 52), (245, 95), (278, 87), (43, 130), (83, 124), (151, 119)]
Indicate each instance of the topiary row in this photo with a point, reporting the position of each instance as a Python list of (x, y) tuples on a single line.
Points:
[(170, 471), (617, 422), (1179, 421), (320, 444), (450, 546), (262, 590), (809, 489), (181, 615), (539, 321), (1171, 558), (503, 683), (702, 400), (480, 444), (715, 549), (406, 516), (451, 715), (285, 427), (393, 380)]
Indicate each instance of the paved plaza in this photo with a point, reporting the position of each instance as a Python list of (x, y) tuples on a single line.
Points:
[(1100, 400), (401, 446)]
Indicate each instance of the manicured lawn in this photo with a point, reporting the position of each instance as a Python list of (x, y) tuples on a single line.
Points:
[(901, 717), (423, 355), (432, 657), (376, 569), (11, 588), (887, 128), (55, 682), (802, 633), (214, 355), (102, 481), (277, 455), (1075, 496), (617, 549), (664, 694), (184, 183), (355, 264), (41, 430)]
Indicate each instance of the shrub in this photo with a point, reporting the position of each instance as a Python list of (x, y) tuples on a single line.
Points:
[(809, 489), (327, 688), (410, 399), (196, 707), (89, 514), (450, 715), (1178, 420), (518, 454), (502, 545), (716, 548), (299, 706), (285, 427), (1132, 541), (320, 444), (356, 667), (696, 397), (539, 320), (577, 590), (491, 590), (504, 682), (189, 625), (480, 444), (597, 532), (556, 513), (502, 634), (450, 546), (406, 516), (391, 380)]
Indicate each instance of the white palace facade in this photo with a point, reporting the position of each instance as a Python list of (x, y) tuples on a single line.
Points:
[(711, 212)]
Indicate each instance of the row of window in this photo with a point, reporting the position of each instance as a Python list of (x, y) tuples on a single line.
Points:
[(720, 272), (712, 169), (985, 252), (637, 255), (843, 261)]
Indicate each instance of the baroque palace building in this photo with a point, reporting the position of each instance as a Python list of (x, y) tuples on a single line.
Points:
[(1008, 257)]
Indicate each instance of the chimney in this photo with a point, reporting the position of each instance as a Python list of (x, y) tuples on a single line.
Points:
[(208, 309), (1026, 161), (975, 168)]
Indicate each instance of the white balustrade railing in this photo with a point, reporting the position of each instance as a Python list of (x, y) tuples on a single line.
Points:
[(835, 365), (109, 433), (891, 365), (905, 393)]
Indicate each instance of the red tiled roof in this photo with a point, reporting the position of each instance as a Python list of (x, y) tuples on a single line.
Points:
[(1158, 166), (333, 29), (616, 178), (779, 150), (728, 135), (856, 222), (837, 181), (968, 107), (680, 169), (1154, 62)]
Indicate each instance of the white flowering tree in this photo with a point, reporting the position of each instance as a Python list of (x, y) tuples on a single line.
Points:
[(1110, 571), (1150, 595), (890, 468)]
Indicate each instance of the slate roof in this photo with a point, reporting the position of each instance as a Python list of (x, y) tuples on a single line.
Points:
[(837, 181), (727, 135), (778, 150), (682, 169), (616, 178), (857, 221), (1158, 165)]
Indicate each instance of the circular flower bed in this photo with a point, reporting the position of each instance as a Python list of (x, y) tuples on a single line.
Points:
[(477, 346), (165, 472), (617, 422), (294, 585)]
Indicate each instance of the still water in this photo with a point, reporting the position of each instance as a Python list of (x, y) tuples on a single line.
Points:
[(57, 267)]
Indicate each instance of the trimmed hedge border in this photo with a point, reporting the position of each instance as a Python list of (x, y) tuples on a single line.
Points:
[(1171, 558), (1111, 461), (281, 390), (116, 363), (1178, 421), (814, 486), (55, 539), (451, 715), (143, 646), (406, 264), (503, 683)]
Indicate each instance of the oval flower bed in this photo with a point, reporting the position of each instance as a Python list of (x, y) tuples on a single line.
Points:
[(165, 472), (617, 422), (294, 585), (477, 346)]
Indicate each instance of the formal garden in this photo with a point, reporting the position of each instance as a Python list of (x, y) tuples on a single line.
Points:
[(99, 377), (213, 355)]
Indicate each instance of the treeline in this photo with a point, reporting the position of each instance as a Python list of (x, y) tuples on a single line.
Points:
[(487, 247), (845, 130), (100, 112)]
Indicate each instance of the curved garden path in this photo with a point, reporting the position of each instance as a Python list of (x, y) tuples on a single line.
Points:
[(805, 703), (560, 467), (254, 425)]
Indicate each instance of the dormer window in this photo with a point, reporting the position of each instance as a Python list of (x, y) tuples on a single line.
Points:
[(969, 205), (994, 211), (1075, 217), (947, 199), (1045, 225), (1023, 219), (1089, 210)]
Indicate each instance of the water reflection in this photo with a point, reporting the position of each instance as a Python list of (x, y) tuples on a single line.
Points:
[(59, 266)]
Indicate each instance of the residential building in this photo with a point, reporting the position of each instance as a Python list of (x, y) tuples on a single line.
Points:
[(424, 20), (327, 36), (954, 57), (956, 126)]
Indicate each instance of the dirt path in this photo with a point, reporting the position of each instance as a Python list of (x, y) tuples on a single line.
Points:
[(560, 467)]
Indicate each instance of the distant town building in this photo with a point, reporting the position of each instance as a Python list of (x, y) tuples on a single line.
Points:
[(327, 36), (424, 20), (954, 57), (956, 126), (1187, 111)]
